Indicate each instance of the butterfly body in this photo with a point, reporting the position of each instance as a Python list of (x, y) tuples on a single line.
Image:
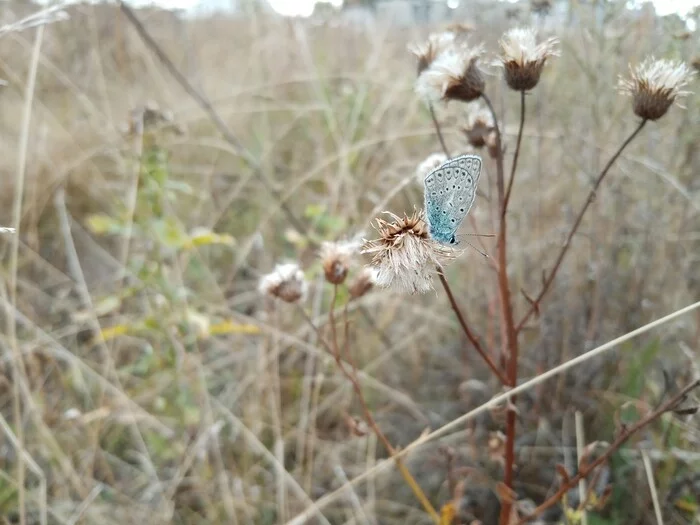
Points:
[(450, 191)]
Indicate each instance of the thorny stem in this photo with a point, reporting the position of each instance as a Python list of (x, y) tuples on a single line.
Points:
[(334, 350), (517, 151), (438, 130), (467, 331), (534, 306), (506, 312), (587, 468)]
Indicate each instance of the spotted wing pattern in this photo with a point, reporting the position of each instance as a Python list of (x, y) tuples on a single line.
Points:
[(450, 191)]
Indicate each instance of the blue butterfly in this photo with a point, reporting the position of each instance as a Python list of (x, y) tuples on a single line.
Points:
[(450, 190)]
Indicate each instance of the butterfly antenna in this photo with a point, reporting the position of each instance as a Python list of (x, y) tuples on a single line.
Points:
[(476, 235), (477, 249)]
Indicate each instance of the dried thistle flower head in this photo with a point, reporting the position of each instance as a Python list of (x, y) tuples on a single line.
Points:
[(541, 7), (479, 126), (431, 162), (655, 85), (523, 59), (404, 255), (363, 282), (426, 52), (286, 282), (335, 258), (454, 75)]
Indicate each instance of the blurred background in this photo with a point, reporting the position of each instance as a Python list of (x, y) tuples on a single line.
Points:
[(157, 175)]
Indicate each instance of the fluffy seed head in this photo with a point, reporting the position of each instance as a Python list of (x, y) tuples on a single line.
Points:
[(286, 282), (479, 126), (426, 52), (363, 282), (431, 162), (404, 255), (335, 259), (454, 75), (655, 85), (523, 59)]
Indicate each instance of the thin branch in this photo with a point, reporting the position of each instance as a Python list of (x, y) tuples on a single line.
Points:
[(508, 318), (652, 487), (591, 197), (44, 17), (517, 151), (580, 448), (18, 367), (626, 434), (438, 130), (351, 375), (467, 331)]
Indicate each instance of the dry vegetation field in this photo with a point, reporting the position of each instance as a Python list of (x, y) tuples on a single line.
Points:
[(144, 378)]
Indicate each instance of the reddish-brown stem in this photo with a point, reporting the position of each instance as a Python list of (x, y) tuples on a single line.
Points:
[(351, 374), (438, 130), (331, 321), (517, 152), (506, 313), (627, 433), (467, 331), (565, 248)]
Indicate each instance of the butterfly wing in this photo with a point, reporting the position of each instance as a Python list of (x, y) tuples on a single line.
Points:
[(437, 196), (450, 191)]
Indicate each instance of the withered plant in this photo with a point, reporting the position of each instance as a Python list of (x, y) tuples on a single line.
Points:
[(405, 257)]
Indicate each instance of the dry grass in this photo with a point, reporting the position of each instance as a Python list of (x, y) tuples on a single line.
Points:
[(157, 386)]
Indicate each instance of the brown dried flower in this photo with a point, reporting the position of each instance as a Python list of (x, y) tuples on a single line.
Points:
[(431, 162), (150, 118), (655, 85), (428, 51), (362, 283), (286, 282), (335, 258), (541, 7), (405, 256), (454, 75), (523, 59), (479, 126)]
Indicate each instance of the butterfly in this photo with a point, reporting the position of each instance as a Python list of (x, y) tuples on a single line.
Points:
[(450, 190)]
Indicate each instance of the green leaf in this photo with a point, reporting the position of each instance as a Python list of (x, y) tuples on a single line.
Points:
[(102, 224), (204, 237), (169, 233)]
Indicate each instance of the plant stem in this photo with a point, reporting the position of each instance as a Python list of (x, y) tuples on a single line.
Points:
[(627, 433), (534, 307), (351, 375), (506, 313), (470, 335), (517, 151), (438, 130)]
